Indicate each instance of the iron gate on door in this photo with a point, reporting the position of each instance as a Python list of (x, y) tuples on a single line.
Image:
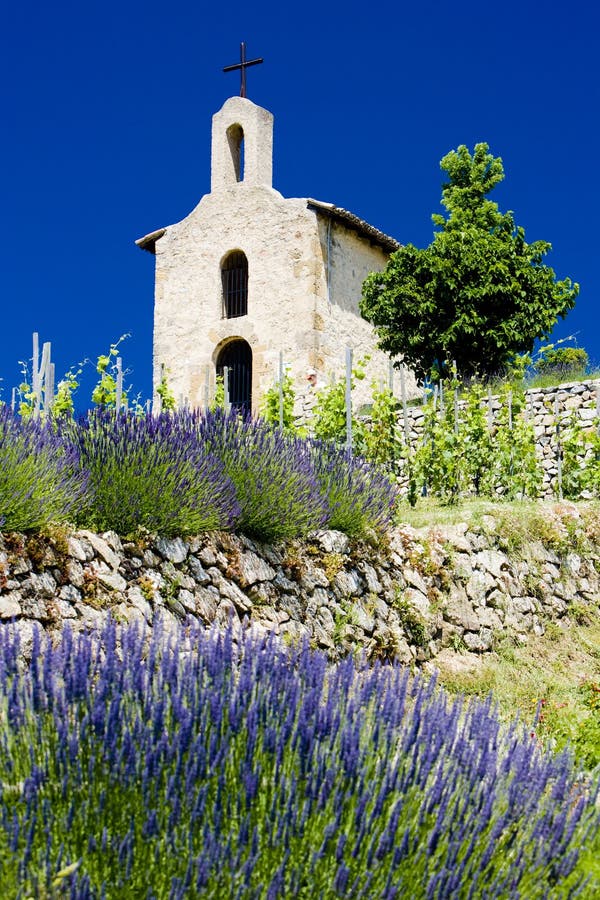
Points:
[(237, 358)]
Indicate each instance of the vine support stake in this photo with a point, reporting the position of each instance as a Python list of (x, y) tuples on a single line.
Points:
[(349, 399), (119, 387), (207, 388), (456, 412), (281, 389), (404, 406), (558, 451), (226, 388)]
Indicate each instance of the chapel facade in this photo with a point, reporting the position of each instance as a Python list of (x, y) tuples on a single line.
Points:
[(250, 277)]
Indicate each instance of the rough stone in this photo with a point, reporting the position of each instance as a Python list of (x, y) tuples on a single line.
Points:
[(460, 612), (187, 600), (347, 583), (496, 600), (313, 577), (492, 561), (253, 569), (70, 593), (74, 572), (415, 579), (370, 576), (331, 541), (479, 641), (112, 580), (43, 585), (21, 565), (174, 549), (113, 540), (198, 572), (463, 565), (230, 591), (455, 663), (207, 557), (206, 604), (10, 605), (361, 617), (489, 618), (523, 604), (66, 609), (227, 617), (478, 585), (35, 608), (101, 547), (90, 617), (137, 599), (284, 584), (418, 600)]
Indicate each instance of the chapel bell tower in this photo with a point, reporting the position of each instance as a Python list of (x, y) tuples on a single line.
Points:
[(242, 146)]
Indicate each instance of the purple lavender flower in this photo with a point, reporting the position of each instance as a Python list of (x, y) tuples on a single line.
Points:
[(152, 471), (41, 480)]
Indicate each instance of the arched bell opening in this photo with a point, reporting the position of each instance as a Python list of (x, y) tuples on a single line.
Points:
[(235, 140)]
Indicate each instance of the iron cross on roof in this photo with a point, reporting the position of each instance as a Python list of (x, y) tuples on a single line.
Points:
[(242, 66)]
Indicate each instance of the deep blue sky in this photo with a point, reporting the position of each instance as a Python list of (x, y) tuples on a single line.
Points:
[(107, 112)]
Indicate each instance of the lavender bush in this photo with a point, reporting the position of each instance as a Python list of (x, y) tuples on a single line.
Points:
[(360, 496), (40, 479), (185, 766), (273, 474), (152, 471)]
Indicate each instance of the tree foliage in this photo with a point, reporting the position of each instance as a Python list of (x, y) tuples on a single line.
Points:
[(478, 294)]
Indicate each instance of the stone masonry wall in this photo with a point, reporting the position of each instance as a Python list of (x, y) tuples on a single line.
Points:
[(422, 592), (544, 407)]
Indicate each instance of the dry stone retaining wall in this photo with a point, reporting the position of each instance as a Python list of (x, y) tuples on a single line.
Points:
[(420, 593), (544, 407)]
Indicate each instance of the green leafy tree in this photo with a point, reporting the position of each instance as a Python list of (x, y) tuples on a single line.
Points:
[(564, 360), (478, 294)]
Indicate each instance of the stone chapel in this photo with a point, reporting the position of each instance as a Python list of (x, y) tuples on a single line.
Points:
[(250, 277)]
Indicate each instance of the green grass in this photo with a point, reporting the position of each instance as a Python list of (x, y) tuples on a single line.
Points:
[(562, 526), (558, 672), (554, 379), (555, 677)]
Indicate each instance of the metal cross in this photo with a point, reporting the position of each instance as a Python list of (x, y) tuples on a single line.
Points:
[(242, 66)]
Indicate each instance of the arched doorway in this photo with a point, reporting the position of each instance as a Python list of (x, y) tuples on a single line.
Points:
[(236, 356)]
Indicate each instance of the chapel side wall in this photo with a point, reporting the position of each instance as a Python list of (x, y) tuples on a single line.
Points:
[(281, 244), (348, 259)]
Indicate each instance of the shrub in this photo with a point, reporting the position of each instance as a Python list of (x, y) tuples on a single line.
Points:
[(40, 478), (152, 471), (133, 769), (360, 496), (563, 360), (276, 487)]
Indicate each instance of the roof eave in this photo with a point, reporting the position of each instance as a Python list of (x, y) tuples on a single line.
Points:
[(389, 244), (148, 242)]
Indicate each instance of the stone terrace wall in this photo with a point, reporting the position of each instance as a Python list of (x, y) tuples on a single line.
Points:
[(543, 407), (422, 592)]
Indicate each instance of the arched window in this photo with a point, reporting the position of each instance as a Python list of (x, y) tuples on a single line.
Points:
[(234, 277), (235, 139), (236, 356)]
